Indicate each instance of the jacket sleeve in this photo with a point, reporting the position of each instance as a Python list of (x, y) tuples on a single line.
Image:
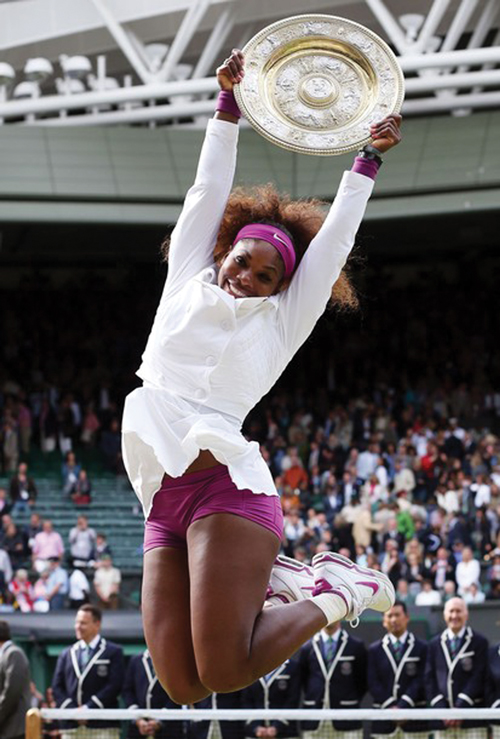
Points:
[(59, 688), (360, 670), (106, 698), (194, 236), (435, 698), (14, 673), (475, 686), (129, 693)]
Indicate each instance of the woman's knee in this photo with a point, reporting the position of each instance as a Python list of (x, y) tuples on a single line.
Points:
[(182, 690), (224, 675)]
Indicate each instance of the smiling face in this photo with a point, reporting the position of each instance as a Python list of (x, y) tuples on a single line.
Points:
[(252, 269), (455, 614)]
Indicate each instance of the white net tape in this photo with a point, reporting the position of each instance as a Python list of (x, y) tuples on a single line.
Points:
[(296, 714)]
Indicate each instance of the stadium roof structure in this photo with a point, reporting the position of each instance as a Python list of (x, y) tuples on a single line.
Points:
[(107, 62)]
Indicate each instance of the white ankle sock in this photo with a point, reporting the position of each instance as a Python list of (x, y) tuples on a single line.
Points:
[(334, 606)]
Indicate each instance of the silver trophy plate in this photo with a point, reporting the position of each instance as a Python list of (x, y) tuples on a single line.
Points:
[(315, 83)]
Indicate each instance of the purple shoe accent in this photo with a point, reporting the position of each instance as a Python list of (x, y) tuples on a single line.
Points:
[(322, 586), (325, 587), (340, 561), (282, 597), (292, 568), (373, 585)]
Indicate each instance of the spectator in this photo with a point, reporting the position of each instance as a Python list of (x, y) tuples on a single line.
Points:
[(111, 446), (142, 689), (23, 491), (57, 585), (107, 581), (453, 682), (474, 595), (41, 603), (24, 422), (390, 680), (280, 688), (14, 543), (90, 673), (34, 527), (70, 471), (4, 503), (48, 543), (5, 567), (101, 546), (10, 445), (442, 569), (468, 571), (82, 490), (90, 426), (15, 692), (79, 589), (428, 596), (82, 541), (22, 590), (325, 683)]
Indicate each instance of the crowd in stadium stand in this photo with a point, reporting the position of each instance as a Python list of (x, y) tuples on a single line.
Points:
[(382, 436)]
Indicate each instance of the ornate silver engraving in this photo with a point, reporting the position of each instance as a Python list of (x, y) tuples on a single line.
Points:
[(315, 83)]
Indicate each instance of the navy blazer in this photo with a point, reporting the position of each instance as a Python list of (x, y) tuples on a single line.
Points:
[(459, 682), (229, 729), (493, 686), (97, 686), (397, 684), (142, 689), (342, 685), (282, 690)]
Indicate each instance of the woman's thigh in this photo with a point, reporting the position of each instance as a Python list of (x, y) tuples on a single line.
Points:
[(167, 623), (230, 561)]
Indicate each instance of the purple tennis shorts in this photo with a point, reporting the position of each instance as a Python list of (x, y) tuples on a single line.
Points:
[(185, 499)]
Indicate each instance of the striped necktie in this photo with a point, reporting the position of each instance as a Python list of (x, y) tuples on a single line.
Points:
[(84, 656), (454, 645), (330, 649), (397, 647)]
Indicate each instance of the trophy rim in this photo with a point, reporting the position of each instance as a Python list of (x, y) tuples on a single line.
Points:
[(241, 94)]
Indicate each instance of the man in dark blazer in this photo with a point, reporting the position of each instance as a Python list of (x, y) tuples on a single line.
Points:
[(15, 694), (396, 670), (333, 675), (218, 729), (89, 674), (493, 689), (142, 689), (278, 689), (456, 671)]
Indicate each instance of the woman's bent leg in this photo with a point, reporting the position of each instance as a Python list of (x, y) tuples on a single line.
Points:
[(167, 623), (235, 641)]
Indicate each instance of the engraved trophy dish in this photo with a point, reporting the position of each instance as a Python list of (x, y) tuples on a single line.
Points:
[(315, 83)]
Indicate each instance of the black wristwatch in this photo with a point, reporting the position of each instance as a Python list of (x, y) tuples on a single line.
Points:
[(370, 152)]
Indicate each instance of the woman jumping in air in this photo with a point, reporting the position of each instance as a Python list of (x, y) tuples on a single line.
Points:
[(249, 275)]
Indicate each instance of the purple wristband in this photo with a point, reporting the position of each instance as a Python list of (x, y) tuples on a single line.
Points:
[(226, 103), (367, 167)]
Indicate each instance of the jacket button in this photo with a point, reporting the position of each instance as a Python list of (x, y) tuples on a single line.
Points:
[(225, 325), (210, 361), (199, 394)]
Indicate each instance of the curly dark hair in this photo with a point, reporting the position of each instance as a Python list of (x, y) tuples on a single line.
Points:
[(302, 219)]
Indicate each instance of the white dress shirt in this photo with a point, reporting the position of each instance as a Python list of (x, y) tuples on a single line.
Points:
[(210, 357)]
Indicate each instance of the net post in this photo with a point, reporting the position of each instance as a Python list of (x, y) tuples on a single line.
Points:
[(33, 724)]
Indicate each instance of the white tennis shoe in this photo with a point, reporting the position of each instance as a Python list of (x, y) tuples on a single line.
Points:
[(290, 581), (366, 588)]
